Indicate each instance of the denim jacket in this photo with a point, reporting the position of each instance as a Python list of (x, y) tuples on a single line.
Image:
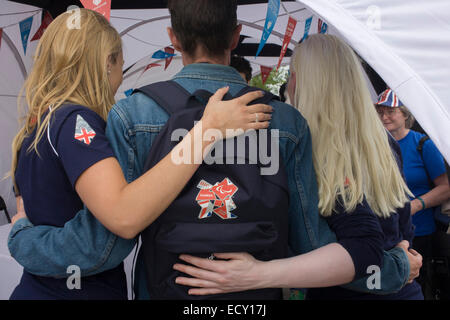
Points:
[(132, 126)]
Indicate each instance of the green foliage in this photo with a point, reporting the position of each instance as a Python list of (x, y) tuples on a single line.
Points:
[(274, 80)]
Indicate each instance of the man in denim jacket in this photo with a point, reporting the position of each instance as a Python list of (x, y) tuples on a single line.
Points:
[(133, 124)]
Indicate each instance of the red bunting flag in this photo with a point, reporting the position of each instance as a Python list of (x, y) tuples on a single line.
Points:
[(169, 59), (101, 6), (287, 38), (151, 65), (1, 32), (44, 24), (265, 71), (321, 26)]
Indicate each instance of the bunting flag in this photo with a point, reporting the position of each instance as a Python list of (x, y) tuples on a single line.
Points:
[(44, 24), (170, 51), (273, 7), (287, 38), (25, 28), (162, 55), (1, 32), (307, 26), (128, 92), (265, 71), (321, 26), (101, 6), (151, 65)]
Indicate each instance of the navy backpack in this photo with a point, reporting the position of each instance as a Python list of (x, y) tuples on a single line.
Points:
[(223, 208)]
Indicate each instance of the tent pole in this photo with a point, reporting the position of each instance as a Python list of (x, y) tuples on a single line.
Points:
[(16, 54)]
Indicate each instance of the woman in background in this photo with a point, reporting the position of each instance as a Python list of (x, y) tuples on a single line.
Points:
[(424, 170)]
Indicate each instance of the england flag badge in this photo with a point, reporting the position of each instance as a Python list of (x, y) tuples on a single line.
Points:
[(83, 131)]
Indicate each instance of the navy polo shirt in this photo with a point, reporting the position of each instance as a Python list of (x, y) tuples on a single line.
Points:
[(74, 141)]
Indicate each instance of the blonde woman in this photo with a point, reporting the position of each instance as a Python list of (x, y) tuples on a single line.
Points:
[(62, 159), (362, 194)]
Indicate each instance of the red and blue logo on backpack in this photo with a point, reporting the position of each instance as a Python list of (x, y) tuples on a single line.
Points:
[(216, 198)]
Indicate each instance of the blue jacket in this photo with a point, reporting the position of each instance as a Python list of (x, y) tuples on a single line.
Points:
[(132, 126)]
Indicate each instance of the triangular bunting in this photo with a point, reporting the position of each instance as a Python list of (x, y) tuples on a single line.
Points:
[(287, 38), (265, 71), (307, 26), (25, 28), (170, 51), (151, 65), (321, 26), (101, 6), (273, 7), (162, 55), (45, 22)]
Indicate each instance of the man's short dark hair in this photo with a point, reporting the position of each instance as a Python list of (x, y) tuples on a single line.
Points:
[(242, 65), (209, 23)]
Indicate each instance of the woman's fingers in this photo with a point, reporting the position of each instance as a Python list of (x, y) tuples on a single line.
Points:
[(204, 291), (236, 113), (197, 272), (404, 244), (231, 255), (203, 263), (219, 94), (249, 97), (259, 117), (257, 125), (196, 283), (258, 108)]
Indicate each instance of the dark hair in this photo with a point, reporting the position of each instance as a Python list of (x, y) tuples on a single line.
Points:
[(209, 23), (282, 92), (242, 66)]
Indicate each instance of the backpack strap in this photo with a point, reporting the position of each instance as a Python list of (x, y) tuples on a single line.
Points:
[(421, 143), (172, 97), (204, 95), (169, 95), (420, 149)]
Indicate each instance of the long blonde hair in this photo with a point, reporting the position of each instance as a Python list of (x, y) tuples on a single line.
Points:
[(351, 151), (70, 65)]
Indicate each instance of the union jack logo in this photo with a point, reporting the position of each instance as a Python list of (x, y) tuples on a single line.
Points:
[(216, 198), (83, 131)]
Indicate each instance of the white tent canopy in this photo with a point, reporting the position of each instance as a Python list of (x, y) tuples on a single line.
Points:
[(406, 42), (14, 65)]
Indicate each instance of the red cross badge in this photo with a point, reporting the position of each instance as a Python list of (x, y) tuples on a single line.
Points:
[(83, 131), (216, 198)]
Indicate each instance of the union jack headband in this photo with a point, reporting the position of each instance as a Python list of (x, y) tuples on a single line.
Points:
[(389, 99)]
